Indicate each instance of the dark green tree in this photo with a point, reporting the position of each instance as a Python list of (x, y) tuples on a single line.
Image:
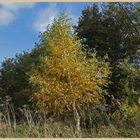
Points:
[(112, 30), (14, 74), (13, 78)]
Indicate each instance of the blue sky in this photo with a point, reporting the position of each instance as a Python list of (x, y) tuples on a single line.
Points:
[(20, 23)]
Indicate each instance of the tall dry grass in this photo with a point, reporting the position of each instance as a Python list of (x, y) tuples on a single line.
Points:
[(29, 123)]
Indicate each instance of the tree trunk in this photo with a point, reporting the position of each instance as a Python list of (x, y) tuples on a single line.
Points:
[(76, 117)]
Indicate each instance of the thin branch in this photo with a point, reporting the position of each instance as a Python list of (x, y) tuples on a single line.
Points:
[(128, 17)]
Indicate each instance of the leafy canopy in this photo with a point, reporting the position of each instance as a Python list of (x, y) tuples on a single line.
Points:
[(66, 77)]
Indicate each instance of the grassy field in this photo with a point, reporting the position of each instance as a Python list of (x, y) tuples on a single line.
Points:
[(57, 129), (32, 124)]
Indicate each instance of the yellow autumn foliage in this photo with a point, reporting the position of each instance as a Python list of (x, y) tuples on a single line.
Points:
[(66, 76)]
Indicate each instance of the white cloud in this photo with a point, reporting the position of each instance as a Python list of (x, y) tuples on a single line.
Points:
[(45, 17), (6, 17), (9, 11), (71, 11)]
